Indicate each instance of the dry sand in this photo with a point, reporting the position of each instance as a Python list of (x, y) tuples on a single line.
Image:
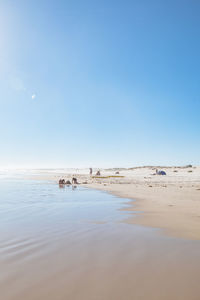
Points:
[(170, 202)]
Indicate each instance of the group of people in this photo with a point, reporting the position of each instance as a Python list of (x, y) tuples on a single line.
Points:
[(68, 182), (98, 173), (74, 180)]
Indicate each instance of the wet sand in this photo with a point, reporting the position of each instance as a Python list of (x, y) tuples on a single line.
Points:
[(73, 244), (176, 210), (120, 264), (170, 202)]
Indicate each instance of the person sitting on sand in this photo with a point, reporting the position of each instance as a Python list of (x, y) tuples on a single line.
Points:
[(68, 182), (98, 173), (74, 180), (62, 181), (160, 172)]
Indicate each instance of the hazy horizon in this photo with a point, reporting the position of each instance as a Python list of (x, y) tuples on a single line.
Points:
[(32, 168)]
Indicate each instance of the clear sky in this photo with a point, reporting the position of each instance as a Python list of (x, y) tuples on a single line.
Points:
[(99, 83)]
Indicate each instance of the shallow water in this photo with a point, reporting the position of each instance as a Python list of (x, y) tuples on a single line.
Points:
[(64, 243)]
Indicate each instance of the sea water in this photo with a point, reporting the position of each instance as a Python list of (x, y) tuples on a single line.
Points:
[(72, 243)]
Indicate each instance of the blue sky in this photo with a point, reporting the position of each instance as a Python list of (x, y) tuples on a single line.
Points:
[(99, 83)]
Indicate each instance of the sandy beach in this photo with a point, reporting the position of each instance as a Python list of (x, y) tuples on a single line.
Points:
[(62, 242), (170, 202), (99, 156)]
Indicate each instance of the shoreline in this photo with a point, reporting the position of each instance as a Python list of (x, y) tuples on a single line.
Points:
[(61, 248), (171, 202), (167, 217)]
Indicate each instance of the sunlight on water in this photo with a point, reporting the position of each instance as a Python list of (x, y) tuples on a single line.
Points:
[(71, 243)]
